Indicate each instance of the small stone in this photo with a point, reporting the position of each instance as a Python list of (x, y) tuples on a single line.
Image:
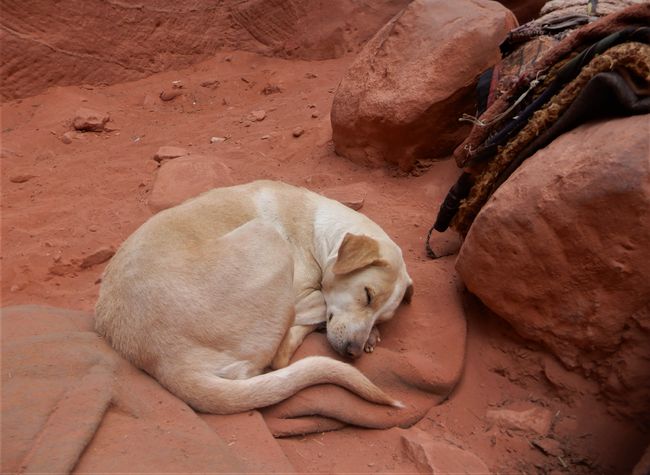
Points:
[(66, 138), (315, 115), (21, 178), (217, 139), (298, 131), (167, 152), (170, 95), (437, 456), (266, 137), (536, 420), (310, 76), (271, 89), (177, 85), (186, 177), (213, 84), (258, 115), (97, 257), (88, 120), (148, 100), (62, 269), (353, 196), (228, 59), (93, 228)]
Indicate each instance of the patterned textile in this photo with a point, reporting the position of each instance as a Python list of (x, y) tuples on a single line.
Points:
[(633, 62), (493, 118), (539, 93)]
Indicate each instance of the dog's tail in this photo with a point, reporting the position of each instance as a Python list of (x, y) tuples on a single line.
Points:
[(207, 392)]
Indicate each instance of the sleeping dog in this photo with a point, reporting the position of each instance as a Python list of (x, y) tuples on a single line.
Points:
[(213, 297)]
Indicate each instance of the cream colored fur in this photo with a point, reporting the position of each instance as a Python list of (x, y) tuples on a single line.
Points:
[(209, 295)]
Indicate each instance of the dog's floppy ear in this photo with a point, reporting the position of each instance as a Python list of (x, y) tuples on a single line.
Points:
[(356, 252)]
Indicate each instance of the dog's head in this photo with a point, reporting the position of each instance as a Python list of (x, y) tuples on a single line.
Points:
[(362, 286)]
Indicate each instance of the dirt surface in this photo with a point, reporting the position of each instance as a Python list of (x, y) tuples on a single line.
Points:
[(64, 202)]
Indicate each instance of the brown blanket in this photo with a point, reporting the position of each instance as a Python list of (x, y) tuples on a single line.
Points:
[(636, 16), (419, 361)]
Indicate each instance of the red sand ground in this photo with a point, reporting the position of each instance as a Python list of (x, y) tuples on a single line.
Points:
[(63, 202)]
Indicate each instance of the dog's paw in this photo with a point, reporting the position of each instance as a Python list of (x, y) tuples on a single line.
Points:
[(373, 339)]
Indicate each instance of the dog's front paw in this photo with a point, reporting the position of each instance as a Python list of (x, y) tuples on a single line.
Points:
[(373, 339)]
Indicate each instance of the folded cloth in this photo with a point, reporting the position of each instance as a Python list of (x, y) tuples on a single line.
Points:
[(492, 120), (623, 90), (419, 361), (556, 79), (559, 17), (498, 142)]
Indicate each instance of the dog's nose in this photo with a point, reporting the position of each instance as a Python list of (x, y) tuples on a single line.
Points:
[(353, 350)]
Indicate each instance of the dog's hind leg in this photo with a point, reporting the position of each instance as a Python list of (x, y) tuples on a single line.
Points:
[(292, 340)]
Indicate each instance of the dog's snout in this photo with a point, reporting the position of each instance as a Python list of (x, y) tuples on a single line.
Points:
[(353, 350)]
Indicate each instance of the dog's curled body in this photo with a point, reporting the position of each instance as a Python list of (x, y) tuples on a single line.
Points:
[(206, 296)]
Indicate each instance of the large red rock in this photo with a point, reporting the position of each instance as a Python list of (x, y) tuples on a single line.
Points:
[(562, 251), (401, 99), (48, 43), (186, 177)]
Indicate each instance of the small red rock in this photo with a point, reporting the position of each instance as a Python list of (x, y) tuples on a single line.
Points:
[(298, 131), (88, 120), (97, 257), (170, 95), (353, 196), (21, 178), (211, 84), (536, 419), (167, 152), (258, 115)]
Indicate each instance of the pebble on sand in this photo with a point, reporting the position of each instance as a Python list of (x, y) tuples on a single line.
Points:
[(298, 131)]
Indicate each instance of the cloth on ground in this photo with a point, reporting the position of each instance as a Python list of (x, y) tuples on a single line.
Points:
[(419, 361), (559, 17), (626, 65), (632, 17), (69, 401), (506, 133)]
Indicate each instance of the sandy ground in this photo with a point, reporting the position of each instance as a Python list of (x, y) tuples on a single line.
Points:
[(62, 202)]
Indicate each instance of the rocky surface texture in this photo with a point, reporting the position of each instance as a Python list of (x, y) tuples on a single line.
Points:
[(57, 43), (70, 198), (562, 251), (401, 99), (525, 10)]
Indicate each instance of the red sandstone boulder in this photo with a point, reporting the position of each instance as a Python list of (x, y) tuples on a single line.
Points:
[(562, 251), (401, 99)]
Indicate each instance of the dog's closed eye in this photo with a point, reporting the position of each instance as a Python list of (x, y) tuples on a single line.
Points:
[(368, 295)]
